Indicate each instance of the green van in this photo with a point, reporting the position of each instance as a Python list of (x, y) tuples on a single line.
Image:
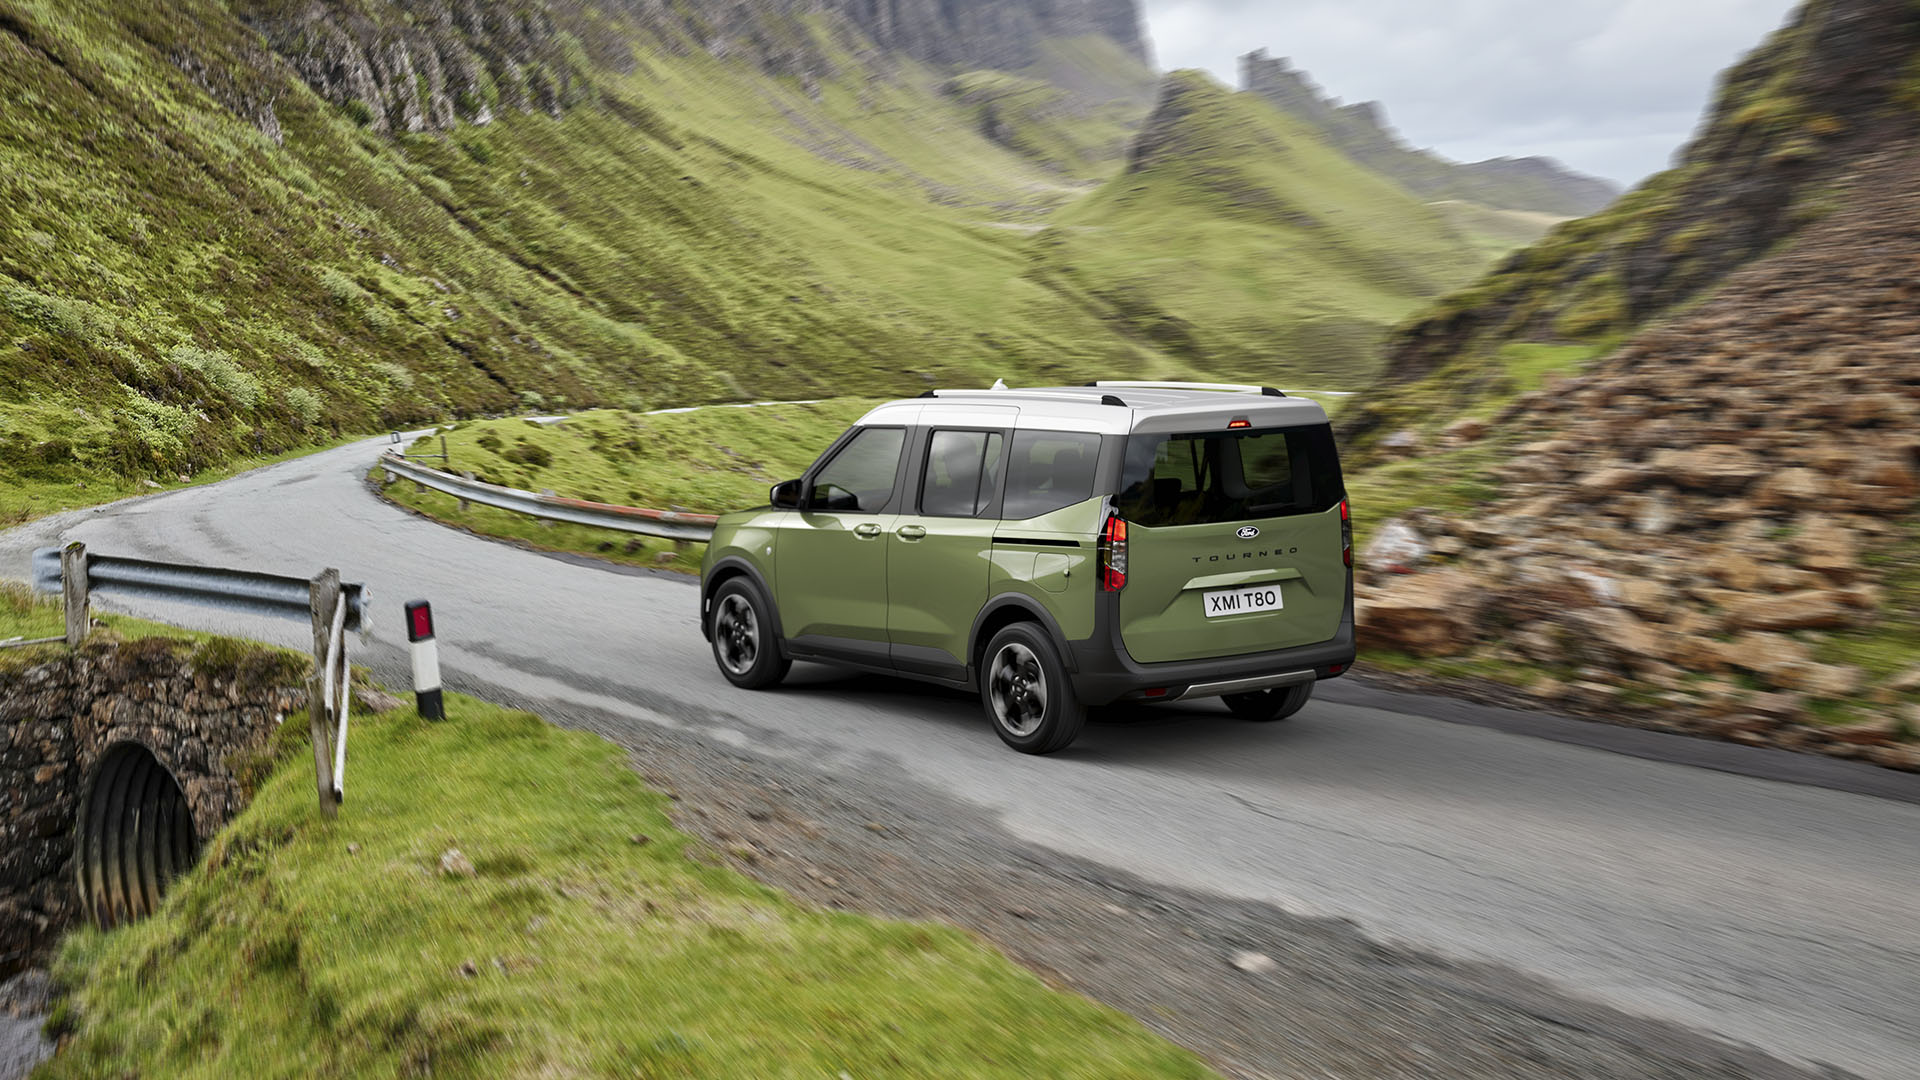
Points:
[(1054, 549)]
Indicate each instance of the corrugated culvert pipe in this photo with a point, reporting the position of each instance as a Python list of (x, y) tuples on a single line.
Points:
[(135, 835)]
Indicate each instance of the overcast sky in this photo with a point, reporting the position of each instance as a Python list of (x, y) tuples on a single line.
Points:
[(1609, 87)]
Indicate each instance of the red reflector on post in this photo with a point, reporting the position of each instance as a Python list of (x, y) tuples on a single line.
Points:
[(419, 620)]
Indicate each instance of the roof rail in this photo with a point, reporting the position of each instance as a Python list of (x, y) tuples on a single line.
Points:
[(1232, 388), (1017, 393)]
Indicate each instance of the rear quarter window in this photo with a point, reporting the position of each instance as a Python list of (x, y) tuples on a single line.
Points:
[(1048, 471)]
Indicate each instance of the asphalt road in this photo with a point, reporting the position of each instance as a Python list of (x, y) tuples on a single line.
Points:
[(1779, 915)]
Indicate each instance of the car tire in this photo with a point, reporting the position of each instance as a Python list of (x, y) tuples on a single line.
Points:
[(1027, 693), (1263, 706), (742, 635)]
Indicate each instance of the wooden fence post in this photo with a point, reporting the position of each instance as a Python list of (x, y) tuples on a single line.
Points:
[(74, 591), (324, 594)]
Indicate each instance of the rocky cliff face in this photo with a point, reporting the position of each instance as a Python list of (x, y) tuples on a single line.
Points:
[(1794, 119), (1361, 131), (427, 65)]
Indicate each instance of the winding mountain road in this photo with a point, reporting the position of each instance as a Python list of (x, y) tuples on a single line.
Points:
[(1781, 915)]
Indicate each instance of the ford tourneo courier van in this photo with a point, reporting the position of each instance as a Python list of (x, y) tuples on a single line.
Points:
[(1054, 549)]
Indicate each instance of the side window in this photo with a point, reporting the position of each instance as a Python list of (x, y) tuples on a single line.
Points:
[(957, 461), (1049, 470), (860, 477)]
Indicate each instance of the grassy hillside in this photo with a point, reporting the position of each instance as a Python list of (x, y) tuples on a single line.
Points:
[(709, 461), (202, 257), (178, 286), (1238, 242), (579, 934)]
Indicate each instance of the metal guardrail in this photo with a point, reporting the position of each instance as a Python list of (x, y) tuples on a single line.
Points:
[(669, 524), (229, 590), (330, 606)]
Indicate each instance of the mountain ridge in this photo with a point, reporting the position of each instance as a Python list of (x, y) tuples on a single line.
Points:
[(1839, 81), (1362, 132)]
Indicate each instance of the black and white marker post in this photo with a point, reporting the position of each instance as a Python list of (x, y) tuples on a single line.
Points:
[(426, 661)]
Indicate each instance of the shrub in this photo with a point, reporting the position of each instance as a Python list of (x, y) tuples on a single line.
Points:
[(296, 349), (400, 377), (529, 454), (305, 406), (345, 291), (219, 369), (157, 434)]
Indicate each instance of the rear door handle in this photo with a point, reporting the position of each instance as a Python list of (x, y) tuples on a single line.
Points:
[(867, 531), (910, 532)]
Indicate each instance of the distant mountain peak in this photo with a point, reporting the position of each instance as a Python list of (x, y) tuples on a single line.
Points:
[(1362, 132)]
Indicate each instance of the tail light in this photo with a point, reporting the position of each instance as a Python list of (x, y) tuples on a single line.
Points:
[(1113, 554), (1346, 533)]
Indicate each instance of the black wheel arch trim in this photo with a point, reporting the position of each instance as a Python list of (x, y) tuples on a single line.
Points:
[(1028, 605), (728, 567)]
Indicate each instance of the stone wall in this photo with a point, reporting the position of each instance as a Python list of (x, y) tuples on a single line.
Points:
[(202, 712)]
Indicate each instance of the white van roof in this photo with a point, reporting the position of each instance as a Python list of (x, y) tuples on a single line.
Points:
[(1108, 408)]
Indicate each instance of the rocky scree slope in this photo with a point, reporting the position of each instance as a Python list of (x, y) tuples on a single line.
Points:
[(1362, 132), (1839, 82), (1715, 530)]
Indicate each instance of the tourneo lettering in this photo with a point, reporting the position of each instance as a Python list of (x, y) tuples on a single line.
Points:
[(1230, 556)]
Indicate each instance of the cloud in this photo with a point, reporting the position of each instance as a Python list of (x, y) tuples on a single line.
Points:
[(1610, 87)]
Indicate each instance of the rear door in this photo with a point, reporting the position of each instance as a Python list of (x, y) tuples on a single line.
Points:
[(831, 556), (1235, 542), (941, 540)]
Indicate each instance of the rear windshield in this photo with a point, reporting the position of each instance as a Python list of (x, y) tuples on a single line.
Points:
[(1219, 476)]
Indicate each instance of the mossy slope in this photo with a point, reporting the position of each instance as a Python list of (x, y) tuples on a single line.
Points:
[(182, 281)]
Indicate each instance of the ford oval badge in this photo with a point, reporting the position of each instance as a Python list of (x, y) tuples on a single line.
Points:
[(1248, 532)]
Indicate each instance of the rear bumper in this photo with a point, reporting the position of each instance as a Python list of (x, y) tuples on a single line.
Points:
[(1104, 673)]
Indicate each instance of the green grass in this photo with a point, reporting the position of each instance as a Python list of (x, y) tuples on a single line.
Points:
[(710, 461), (1890, 645), (26, 499), (1497, 233), (30, 616), (305, 948), (26, 616), (1448, 482)]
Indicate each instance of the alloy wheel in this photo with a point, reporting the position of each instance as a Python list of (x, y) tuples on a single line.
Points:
[(736, 634), (1019, 689)]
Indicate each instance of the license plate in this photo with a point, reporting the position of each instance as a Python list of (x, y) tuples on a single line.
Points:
[(1241, 601)]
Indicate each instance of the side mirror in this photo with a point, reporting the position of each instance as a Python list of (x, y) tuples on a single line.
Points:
[(785, 495)]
